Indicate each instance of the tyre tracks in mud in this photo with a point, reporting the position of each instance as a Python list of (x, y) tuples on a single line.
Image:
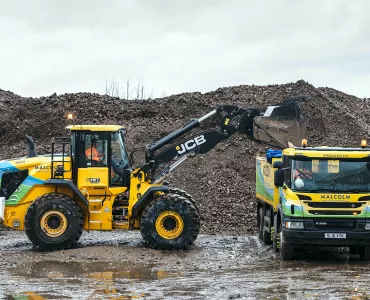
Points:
[(118, 264)]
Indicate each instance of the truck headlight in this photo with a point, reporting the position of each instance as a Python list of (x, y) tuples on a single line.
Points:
[(367, 226), (295, 225)]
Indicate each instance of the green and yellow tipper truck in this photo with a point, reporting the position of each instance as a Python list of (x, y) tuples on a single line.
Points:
[(314, 196)]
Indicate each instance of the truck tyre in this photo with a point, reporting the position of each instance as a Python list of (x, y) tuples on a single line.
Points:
[(364, 252), (260, 224), (185, 194), (286, 250), (267, 234), (53, 221), (353, 250), (170, 222), (276, 237)]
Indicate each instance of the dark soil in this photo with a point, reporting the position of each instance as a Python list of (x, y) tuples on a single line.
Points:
[(222, 181)]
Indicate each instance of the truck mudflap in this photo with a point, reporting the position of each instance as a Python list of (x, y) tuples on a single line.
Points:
[(342, 238), (2, 209)]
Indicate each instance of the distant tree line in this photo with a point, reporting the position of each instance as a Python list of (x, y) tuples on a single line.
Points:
[(129, 92)]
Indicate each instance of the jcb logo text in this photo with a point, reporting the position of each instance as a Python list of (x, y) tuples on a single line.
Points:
[(190, 144)]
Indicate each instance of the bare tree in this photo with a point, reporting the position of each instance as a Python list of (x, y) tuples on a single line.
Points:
[(127, 92), (112, 88), (138, 92)]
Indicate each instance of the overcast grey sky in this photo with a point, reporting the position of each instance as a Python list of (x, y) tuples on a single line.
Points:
[(183, 46)]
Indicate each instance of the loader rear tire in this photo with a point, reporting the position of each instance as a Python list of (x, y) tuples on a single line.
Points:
[(53, 222), (170, 222)]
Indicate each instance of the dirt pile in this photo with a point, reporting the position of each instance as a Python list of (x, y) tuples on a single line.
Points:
[(223, 181)]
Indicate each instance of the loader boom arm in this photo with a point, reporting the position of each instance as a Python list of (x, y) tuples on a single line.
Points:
[(232, 119), (273, 126)]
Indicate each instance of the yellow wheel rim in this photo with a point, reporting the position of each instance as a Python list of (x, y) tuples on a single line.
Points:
[(169, 225), (53, 223)]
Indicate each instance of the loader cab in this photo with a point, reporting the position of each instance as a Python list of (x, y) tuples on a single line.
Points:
[(99, 156)]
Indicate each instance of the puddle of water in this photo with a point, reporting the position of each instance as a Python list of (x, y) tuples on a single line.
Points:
[(98, 279)]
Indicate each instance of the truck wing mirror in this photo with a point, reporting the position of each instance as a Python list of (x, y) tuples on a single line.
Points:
[(278, 164), (279, 178)]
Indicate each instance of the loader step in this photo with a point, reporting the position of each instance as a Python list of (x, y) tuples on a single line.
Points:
[(94, 221), (95, 200), (95, 211)]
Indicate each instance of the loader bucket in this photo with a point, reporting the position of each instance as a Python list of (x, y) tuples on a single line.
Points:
[(281, 123)]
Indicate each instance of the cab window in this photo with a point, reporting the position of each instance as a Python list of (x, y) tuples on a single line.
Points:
[(119, 158), (96, 150)]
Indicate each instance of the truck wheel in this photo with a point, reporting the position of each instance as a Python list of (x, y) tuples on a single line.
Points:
[(276, 237), (260, 224), (53, 221), (170, 222), (185, 194), (364, 252), (353, 250), (267, 234), (286, 250)]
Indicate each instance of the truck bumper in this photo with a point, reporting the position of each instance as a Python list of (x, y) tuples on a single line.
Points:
[(302, 237), (2, 209)]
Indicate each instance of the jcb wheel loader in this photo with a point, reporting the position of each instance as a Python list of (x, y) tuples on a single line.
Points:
[(94, 185)]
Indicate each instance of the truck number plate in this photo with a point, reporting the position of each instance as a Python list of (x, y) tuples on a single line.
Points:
[(335, 235)]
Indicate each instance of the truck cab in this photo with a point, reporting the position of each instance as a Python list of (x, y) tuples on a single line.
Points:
[(314, 196)]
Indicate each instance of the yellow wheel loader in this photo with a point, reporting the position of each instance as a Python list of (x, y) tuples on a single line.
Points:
[(93, 183)]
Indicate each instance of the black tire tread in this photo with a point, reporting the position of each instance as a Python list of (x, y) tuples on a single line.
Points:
[(275, 237), (29, 219), (183, 193), (364, 252), (267, 235), (286, 250), (194, 219)]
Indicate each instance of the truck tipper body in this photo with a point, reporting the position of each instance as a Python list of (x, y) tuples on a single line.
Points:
[(314, 196)]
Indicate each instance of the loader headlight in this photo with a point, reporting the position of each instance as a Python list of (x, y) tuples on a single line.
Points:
[(294, 225), (367, 226)]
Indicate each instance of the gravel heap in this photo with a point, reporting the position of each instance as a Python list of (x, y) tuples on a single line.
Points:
[(223, 180)]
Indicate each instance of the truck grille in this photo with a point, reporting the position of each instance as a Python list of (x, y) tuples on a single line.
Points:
[(333, 212), (349, 205), (335, 225)]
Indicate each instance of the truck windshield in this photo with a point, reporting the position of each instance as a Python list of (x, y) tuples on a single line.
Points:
[(322, 175)]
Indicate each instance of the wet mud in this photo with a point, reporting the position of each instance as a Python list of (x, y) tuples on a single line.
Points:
[(117, 265)]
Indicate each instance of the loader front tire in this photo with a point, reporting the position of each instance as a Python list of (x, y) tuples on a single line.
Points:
[(170, 222), (53, 222), (185, 194)]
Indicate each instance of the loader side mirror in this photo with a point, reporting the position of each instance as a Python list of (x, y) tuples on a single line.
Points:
[(279, 177), (278, 164)]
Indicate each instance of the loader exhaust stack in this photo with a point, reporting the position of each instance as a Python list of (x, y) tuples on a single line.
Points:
[(31, 146)]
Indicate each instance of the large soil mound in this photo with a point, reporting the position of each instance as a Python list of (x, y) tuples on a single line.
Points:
[(223, 181)]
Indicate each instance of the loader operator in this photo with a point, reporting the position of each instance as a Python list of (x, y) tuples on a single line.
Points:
[(301, 172), (93, 154)]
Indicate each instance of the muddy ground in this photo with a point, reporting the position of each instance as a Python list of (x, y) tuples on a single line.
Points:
[(223, 180), (117, 265)]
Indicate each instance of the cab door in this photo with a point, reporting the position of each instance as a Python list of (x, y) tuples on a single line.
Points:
[(92, 161), (92, 175)]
